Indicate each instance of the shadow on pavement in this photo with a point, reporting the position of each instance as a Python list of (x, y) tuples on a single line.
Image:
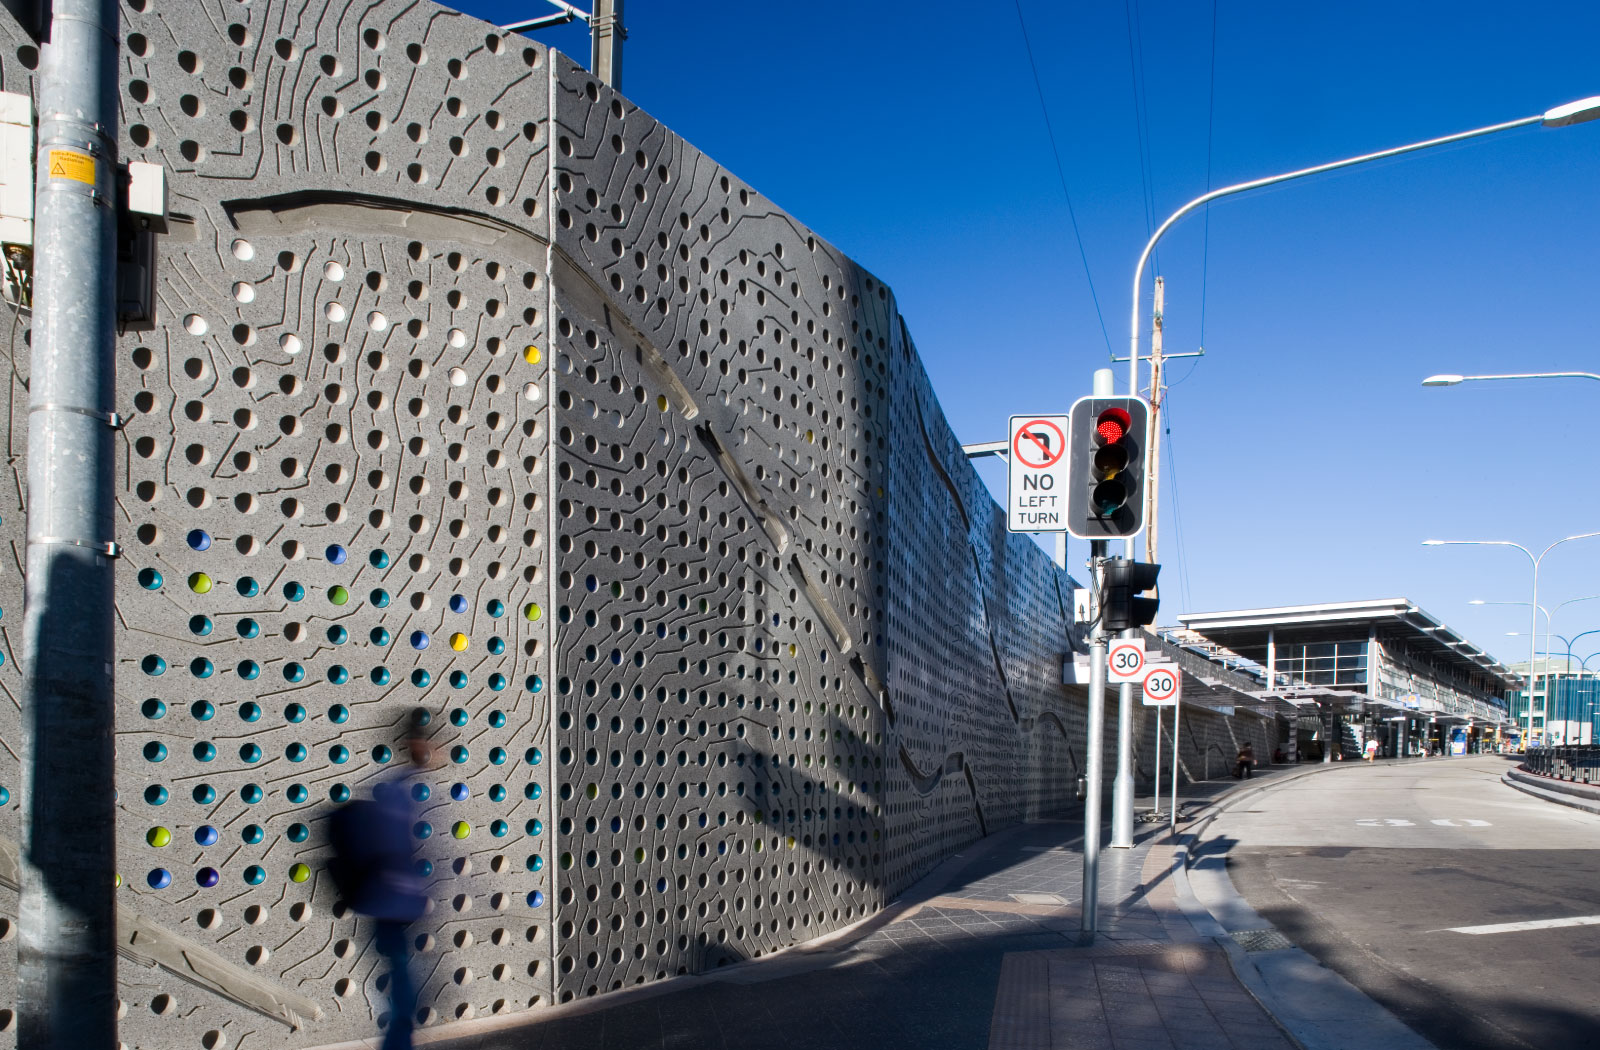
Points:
[(925, 977), (923, 973)]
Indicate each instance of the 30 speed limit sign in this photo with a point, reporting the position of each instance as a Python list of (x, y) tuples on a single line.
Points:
[(1162, 684), (1125, 660)]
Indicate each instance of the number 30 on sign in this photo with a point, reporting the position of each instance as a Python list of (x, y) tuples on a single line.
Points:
[(1125, 660), (1162, 684)]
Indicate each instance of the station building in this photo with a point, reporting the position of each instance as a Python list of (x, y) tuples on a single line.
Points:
[(1353, 671)]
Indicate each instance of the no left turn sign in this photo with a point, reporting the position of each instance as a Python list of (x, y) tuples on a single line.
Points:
[(1162, 684), (1038, 443), (1036, 475)]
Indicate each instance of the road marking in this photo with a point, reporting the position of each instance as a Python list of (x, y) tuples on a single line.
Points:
[(1443, 822), (1534, 924)]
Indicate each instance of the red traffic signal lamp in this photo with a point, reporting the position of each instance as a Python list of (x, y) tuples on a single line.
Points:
[(1106, 456), (1111, 458)]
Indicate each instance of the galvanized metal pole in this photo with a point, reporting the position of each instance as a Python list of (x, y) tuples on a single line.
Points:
[(1177, 719), (606, 35), (66, 958), (1155, 794), (1533, 655), (1122, 787), (1092, 758)]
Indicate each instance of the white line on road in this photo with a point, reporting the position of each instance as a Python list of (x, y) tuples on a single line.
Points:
[(1533, 924)]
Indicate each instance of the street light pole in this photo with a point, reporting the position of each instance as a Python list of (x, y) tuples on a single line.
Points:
[(1450, 379), (1571, 642), (1561, 116), (1548, 616), (1533, 627)]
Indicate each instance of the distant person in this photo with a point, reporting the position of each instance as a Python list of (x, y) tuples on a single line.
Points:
[(375, 872), (1278, 756), (1245, 762), (1372, 749)]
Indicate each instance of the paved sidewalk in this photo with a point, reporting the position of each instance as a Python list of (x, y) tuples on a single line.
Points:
[(990, 959)]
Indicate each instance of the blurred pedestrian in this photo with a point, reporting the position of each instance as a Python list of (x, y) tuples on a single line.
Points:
[(1245, 762), (375, 872)]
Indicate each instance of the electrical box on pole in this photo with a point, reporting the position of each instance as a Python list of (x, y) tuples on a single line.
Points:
[(1107, 449), (1120, 606)]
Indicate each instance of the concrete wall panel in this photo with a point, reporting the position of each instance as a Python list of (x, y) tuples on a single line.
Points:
[(472, 387)]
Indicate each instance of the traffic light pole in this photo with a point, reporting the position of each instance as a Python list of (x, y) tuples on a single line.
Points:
[(1093, 749)]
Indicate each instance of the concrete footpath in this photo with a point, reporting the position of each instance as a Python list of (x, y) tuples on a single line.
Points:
[(984, 953)]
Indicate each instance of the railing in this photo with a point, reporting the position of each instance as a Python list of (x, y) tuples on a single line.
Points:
[(1576, 763)]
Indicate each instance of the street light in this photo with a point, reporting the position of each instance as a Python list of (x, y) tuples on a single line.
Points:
[(1547, 617), (1533, 615), (1451, 380), (1570, 643), (1578, 112), (1581, 111)]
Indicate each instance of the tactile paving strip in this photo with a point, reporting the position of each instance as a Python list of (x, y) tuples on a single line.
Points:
[(1261, 940)]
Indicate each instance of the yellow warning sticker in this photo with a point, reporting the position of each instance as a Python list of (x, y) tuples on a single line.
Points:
[(69, 164)]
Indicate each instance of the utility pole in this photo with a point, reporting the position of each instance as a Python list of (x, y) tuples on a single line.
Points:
[(1153, 474), (606, 35), (66, 955)]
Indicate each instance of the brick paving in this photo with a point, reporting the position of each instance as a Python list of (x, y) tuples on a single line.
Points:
[(992, 960)]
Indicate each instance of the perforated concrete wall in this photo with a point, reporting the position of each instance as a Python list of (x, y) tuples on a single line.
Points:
[(472, 387)]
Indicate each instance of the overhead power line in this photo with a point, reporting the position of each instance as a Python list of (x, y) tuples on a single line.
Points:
[(1061, 173), (1141, 115)]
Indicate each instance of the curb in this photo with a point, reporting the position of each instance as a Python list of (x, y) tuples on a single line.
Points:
[(1316, 1007), (1560, 792)]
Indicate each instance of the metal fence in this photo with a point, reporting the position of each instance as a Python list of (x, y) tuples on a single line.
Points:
[(1578, 763)]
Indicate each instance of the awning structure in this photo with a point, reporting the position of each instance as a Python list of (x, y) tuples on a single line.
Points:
[(1435, 654), (1214, 684)]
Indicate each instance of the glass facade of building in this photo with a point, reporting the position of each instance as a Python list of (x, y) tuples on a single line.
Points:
[(1574, 710), (1324, 663), (1560, 699)]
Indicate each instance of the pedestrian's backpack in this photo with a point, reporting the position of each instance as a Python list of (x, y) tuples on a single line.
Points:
[(355, 860)]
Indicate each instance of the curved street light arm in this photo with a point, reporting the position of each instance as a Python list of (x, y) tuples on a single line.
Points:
[(1565, 539), (1538, 375), (1487, 543), (1271, 180)]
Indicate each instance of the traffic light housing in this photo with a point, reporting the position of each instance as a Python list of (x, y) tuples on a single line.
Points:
[(1106, 445), (1122, 581)]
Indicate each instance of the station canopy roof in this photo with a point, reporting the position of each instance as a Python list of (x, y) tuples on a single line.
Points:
[(1244, 632)]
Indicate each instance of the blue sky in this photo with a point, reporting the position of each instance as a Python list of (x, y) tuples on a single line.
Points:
[(1309, 463)]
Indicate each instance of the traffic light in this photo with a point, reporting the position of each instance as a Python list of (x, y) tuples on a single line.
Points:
[(1106, 454), (1123, 580)]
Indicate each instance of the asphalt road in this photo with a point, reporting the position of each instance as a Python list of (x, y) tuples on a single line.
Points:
[(1375, 869)]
